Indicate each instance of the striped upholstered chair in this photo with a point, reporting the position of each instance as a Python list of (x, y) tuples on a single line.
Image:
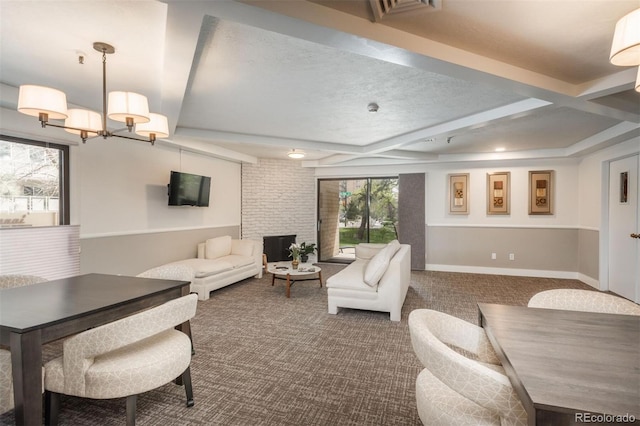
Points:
[(124, 358), (17, 280), (454, 389), (6, 380), (583, 300)]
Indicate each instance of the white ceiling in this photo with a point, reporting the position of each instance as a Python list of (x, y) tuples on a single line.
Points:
[(247, 80)]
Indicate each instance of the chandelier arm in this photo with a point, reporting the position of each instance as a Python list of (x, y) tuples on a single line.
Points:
[(150, 140)]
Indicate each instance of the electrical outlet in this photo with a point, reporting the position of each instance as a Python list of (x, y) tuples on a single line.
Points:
[(493, 256), (512, 256)]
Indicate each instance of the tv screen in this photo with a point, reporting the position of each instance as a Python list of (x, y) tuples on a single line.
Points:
[(186, 189)]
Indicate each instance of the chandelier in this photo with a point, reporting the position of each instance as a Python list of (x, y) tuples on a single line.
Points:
[(126, 107), (625, 48)]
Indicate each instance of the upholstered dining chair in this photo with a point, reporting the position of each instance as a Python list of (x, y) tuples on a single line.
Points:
[(18, 280), (6, 380), (170, 272), (124, 358), (583, 300), (467, 386)]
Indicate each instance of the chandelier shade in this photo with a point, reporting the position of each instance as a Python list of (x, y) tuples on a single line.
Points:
[(83, 120), (35, 100), (127, 107), (157, 127), (625, 48), (123, 105)]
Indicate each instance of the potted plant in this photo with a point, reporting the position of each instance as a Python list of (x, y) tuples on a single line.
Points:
[(306, 250)]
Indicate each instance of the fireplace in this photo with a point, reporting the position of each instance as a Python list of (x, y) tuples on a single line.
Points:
[(277, 247)]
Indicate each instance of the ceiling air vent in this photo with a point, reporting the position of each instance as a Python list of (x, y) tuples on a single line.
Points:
[(383, 8)]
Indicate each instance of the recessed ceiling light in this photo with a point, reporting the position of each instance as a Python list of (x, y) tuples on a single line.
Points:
[(500, 149), (296, 154)]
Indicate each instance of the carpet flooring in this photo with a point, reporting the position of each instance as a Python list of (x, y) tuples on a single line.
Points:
[(263, 359)]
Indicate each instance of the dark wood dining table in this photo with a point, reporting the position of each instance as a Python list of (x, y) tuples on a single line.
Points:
[(36, 314), (568, 367)]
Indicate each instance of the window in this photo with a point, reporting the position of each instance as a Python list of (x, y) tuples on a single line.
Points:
[(353, 211), (34, 183)]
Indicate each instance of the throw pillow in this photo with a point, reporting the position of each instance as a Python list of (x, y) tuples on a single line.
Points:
[(376, 267), (379, 263), (218, 247)]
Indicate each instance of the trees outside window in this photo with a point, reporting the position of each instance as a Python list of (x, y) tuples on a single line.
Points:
[(33, 183)]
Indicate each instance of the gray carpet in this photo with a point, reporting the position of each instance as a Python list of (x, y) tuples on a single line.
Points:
[(263, 359)]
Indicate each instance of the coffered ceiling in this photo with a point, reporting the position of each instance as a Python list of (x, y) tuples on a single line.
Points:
[(245, 80)]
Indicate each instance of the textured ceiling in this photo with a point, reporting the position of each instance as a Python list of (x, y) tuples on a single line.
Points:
[(243, 80)]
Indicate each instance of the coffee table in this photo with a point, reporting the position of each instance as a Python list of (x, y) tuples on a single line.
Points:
[(284, 271)]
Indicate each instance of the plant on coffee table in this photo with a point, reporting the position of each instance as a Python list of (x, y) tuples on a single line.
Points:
[(306, 250)]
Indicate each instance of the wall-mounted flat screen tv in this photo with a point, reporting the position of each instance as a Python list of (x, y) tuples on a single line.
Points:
[(186, 189)]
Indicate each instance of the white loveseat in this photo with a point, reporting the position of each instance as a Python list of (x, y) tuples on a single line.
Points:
[(377, 280), (222, 261)]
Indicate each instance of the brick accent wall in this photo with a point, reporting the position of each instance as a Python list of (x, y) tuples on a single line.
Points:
[(278, 198)]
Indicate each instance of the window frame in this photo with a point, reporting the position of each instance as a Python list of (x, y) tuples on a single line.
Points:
[(64, 214)]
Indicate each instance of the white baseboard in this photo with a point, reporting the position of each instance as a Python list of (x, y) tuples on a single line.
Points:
[(514, 272)]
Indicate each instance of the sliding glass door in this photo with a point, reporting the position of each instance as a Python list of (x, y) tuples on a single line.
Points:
[(353, 211)]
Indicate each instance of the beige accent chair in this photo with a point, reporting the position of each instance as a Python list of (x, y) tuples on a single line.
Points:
[(455, 389), (583, 300), (17, 280), (6, 379), (124, 358)]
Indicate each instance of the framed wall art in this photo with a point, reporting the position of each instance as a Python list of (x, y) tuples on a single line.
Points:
[(541, 192), (459, 193), (498, 193)]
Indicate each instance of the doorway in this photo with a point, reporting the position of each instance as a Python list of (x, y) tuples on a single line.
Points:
[(624, 227), (354, 211)]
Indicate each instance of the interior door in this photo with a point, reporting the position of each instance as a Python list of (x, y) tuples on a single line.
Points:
[(624, 227)]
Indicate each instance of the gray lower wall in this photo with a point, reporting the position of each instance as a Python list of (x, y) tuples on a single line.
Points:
[(550, 249), (132, 254), (588, 253)]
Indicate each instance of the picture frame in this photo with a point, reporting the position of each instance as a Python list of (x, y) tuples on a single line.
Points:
[(459, 193), (499, 193), (541, 192)]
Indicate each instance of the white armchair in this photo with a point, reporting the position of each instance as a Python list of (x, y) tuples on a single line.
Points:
[(454, 389), (583, 300), (17, 280), (124, 358)]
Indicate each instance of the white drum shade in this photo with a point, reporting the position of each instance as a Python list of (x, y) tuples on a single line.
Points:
[(128, 104), (157, 125), (625, 49), (33, 100), (83, 119)]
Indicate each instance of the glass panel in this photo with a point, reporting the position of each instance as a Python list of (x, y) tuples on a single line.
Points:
[(29, 179), (383, 210), (624, 187), (354, 211)]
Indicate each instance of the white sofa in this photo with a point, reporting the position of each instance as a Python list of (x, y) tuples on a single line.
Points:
[(222, 261), (377, 280)]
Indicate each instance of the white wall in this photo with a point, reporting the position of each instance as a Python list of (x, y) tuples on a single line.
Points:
[(566, 206), (591, 178), (123, 188)]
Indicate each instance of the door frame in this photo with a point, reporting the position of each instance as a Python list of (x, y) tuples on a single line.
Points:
[(604, 217)]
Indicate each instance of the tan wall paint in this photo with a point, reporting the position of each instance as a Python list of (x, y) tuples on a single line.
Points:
[(135, 253), (551, 249), (588, 250)]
